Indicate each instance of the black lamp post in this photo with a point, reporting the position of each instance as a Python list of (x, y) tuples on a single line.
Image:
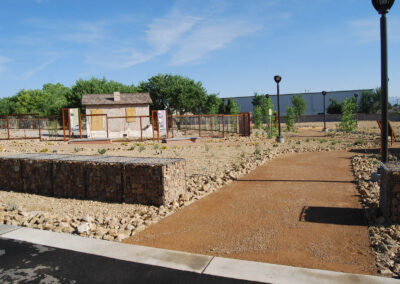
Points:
[(279, 139), (383, 7), (324, 129)]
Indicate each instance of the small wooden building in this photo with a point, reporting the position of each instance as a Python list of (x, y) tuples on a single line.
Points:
[(115, 112)]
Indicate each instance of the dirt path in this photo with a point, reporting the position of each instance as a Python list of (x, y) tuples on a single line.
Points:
[(299, 210)]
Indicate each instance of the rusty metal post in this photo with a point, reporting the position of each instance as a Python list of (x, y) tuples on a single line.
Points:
[(199, 126), (40, 133), (223, 125), (141, 129), (166, 115), (8, 128), (80, 124), (107, 124), (172, 125), (63, 120), (69, 123)]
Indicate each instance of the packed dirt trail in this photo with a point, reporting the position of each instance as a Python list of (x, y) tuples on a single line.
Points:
[(300, 210)]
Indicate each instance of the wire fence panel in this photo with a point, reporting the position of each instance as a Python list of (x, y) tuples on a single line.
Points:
[(217, 125), (51, 128), (21, 126)]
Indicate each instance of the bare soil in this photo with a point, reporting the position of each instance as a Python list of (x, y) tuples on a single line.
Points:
[(300, 210)]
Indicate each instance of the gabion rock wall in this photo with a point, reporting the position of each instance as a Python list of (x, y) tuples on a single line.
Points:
[(149, 181), (389, 199)]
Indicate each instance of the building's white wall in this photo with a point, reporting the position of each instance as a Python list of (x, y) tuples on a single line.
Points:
[(119, 127)]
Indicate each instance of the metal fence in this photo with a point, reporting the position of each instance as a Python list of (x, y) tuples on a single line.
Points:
[(58, 128)]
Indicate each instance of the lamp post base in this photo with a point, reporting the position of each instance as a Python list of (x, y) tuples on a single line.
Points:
[(280, 139)]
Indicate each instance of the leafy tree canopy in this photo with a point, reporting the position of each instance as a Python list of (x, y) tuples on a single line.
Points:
[(299, 106), (175, 93)]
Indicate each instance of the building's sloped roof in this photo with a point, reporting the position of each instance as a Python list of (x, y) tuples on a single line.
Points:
[(108, 99)]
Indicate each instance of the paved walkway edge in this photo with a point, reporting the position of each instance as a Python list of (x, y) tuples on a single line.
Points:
[(209, 265)]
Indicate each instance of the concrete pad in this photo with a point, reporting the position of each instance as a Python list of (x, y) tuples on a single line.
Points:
[(139, 254), (281, 274), (7, 228)]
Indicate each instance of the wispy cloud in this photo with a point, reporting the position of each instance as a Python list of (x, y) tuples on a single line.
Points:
[(209, 37), (367, 30), (3, 61), (85, 32), (31, 72)]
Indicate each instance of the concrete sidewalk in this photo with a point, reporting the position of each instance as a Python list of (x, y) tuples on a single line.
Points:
[(29, 255)]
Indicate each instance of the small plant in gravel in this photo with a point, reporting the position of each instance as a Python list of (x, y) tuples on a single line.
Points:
[(102, 151), (142, 148), (54, 151), (76, 149), (308, 140), (359, 141), (1, 148), (12, 206), (323, 141), (207, 148), (155, 146), (298, 142), (242, 155), (334, 142), (131, 148), (275, 145), (44, 150), (124, 143), (164, 147)]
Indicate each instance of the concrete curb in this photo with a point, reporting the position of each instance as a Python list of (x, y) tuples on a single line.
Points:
[(202, 264)]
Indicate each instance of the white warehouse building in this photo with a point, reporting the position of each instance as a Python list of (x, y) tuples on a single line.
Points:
[(314, 101)]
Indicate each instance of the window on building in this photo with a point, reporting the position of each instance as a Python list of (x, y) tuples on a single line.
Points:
[(97, 120), (130, 111)]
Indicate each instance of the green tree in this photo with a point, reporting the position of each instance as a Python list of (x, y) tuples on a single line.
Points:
[(231, 107), (175, 93), (334, 107), (299, 106), (212, 104), (290, 118), (95, 86), (348, 121), (264, 103), (370, 101)]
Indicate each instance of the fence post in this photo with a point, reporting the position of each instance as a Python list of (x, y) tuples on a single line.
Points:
[(199, 126), (69, 123), (172, 125), (141, 129), (40, 132), (8, 128), (223, 125), (80, 123), (107, 125)]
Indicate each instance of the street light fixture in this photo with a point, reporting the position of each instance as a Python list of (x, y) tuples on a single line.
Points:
[(383, 7), (279, 139), (324, 95)]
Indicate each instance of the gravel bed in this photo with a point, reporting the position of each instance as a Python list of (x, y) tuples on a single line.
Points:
[(384, 237)]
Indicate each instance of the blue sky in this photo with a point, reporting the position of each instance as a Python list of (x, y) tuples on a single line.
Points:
[(234, 47)]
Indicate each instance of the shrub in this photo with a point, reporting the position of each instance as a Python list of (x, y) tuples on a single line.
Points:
[(348, 121), (299, 106), (334, 107), (44, 150), (257, 117), (155, 146), (308, 140), (290, 119), (142, 148), (76, 149), (164, 147), (131, 148), (359, 141), (102, 151)]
